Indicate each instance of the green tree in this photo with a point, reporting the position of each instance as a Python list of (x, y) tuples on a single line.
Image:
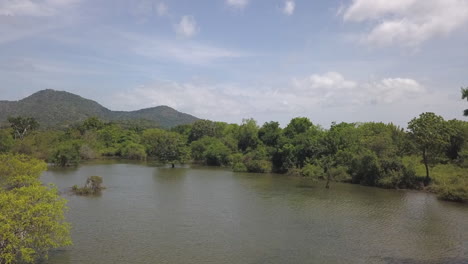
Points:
[(430, 134), (270, 134), (166, 146), (22, 126), (217, 154), (203, 128), (31, 215), (248, 135), (67, 154), (297, 126), (458, 132), (464, 92), (92, 123)]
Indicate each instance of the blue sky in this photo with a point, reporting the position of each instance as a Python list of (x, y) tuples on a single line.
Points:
[(330, 60)]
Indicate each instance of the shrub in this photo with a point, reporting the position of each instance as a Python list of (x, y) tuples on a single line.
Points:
[(93, 186), (239, 167), (312, 171), (67, 154), (133, 151)]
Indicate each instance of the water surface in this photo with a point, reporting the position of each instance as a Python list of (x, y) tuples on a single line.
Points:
[(152, 214)]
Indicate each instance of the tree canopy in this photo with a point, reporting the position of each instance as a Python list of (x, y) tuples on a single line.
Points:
[(31, 215)]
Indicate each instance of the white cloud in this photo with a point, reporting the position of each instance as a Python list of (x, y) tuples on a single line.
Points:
[(39, 8), (161, 9), (237, 3), (289, 7), (331, 89), (187, 27), (407, 22), (303, 96), (188, 52)]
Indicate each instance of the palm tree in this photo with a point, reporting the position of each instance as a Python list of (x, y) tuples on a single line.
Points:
[(464, 92)]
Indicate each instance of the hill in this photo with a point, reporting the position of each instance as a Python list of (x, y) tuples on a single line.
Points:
[(58, 108)]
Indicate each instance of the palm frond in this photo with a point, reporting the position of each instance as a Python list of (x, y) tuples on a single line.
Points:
[(464, 92)]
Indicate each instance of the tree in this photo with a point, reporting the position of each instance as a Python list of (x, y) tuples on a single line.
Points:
[(296, 126), (167, 147), (217, 154), (67, 154), (22, 125), (429, 132), (464, 92), (202, 128), (270, 134), (248, 135), (92, 123), (31, 215)]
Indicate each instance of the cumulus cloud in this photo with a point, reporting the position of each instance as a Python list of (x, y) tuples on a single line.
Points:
[(302, 96), (187, 27), (289, 7), (237, 3), (333, 89), (38, 8), (407, 22)]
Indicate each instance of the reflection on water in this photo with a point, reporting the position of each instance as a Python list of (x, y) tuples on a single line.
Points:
[(151, 214)]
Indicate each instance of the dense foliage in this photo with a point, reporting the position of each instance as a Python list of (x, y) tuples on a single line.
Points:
[(431, 154), (31, 215)]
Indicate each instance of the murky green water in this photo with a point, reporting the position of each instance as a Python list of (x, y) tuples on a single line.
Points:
[(206, 215)]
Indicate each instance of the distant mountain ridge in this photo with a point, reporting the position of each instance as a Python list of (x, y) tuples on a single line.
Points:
[(53, 108)]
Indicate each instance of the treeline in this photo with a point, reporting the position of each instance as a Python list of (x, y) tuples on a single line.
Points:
[(432, 153)]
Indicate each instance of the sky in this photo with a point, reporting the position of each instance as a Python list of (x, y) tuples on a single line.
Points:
[(225, 60)]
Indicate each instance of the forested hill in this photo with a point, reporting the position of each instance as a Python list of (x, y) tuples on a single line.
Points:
[(60, 109)]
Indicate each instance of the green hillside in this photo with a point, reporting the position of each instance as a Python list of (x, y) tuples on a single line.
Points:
[(61, 109)]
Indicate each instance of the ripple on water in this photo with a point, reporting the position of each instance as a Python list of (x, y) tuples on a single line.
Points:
[(159, 215)]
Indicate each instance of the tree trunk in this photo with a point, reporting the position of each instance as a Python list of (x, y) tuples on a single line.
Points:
[(428, 178)]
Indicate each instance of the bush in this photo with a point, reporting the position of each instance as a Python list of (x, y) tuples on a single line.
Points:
[(259, 166), (93, 186), (217, 154), (86, 152), (133, 151), (6, 140), (450, 183), (340, 173), (239, 167), (313, 172), (67, 154)]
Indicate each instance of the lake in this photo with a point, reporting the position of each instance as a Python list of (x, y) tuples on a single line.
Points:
[(151, 214)]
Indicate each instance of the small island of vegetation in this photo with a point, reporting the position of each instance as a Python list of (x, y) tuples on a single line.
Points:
[(93, 186)]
